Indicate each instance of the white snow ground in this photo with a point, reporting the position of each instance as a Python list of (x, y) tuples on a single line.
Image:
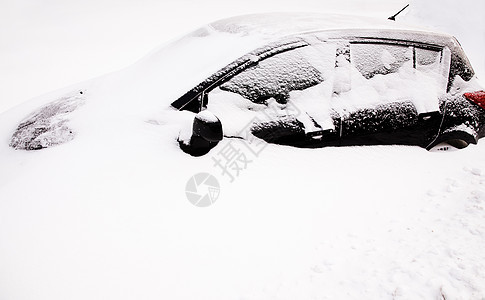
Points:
[(105, 216)]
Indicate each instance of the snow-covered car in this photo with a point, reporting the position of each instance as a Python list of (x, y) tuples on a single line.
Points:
[(340, 87), (306, 80), (105, 209)]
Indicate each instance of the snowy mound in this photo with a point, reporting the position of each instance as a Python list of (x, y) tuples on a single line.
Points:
[(105, 213)]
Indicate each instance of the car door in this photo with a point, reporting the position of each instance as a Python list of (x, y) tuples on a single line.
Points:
[(394, 93), (282, 99)]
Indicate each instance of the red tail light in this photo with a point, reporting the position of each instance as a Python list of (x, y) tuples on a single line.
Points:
[(476, 97)]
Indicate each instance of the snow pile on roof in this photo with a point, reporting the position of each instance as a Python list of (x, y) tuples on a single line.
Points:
[(47, 126), (281, 24)]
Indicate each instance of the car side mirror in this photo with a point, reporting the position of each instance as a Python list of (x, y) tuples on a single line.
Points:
[(208, 126), (206, 134)]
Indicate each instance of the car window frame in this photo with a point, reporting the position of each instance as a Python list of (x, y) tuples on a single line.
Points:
[(195, 99)]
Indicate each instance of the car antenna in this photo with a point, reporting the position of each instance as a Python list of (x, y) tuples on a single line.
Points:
[(393, 17)]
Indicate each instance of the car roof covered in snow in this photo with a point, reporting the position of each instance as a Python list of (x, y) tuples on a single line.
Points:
[(282, 24), (278, 25)]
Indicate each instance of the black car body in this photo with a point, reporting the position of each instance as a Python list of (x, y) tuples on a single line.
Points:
[(381, 86)]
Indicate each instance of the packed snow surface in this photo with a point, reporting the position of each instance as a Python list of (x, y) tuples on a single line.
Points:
[(105, 216)]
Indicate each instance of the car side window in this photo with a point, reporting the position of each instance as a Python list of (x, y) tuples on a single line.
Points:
[(277, 76), (295, 85), (427, 57), (373, 59), (388, 72)]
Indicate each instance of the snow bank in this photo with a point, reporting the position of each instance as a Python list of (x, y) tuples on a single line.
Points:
[(105, 215)]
